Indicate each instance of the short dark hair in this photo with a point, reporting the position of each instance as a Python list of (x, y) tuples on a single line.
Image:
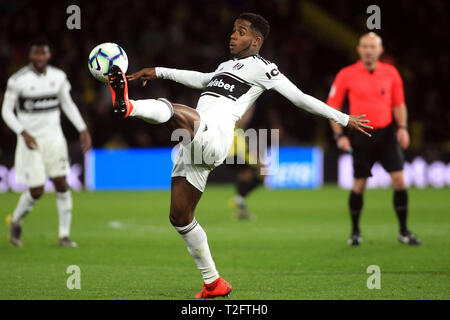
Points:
[(39, 41), (258, 23)]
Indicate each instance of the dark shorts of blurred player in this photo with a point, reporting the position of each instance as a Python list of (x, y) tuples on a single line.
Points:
[(248, 174)]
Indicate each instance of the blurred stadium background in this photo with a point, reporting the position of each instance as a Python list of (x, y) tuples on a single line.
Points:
[(310, 41)]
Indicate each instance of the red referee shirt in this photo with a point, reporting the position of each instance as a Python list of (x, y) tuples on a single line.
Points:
[(373, 94)]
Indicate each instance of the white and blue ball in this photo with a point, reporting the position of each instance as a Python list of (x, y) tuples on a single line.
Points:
[(103, 56)]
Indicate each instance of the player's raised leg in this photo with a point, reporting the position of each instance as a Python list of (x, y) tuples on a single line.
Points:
[(155, 111), (26, 202), (184, 199), (64, 205)]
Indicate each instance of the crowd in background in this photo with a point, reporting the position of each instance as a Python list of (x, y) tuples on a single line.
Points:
[(194, 35)]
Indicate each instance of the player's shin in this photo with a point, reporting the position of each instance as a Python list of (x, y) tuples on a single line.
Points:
[(64, 204), (401, 208), (355, 204), (24, 206), (197, 244), (152, 111)]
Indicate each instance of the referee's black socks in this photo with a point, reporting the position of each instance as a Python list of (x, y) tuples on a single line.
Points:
[(401, 208), (356, 204)]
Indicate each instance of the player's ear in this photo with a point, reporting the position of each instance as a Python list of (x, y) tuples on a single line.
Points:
[(257, 41)]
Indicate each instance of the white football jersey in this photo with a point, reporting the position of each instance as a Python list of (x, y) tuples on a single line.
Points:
[(36, 99), (237, 83)]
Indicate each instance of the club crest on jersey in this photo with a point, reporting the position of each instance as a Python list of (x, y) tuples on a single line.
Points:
[(238, 66)]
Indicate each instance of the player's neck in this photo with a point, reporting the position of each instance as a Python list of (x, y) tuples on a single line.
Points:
[(370, 66), (42, 70), (245, 54)]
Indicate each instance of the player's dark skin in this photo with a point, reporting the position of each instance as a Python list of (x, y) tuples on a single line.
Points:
[(244, 41), (39, 57)]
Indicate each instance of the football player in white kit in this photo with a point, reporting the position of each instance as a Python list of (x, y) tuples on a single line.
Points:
[(227, 93), (36, 92)]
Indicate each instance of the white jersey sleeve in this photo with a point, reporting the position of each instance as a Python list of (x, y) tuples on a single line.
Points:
[(191, 79), (270, 78), (9, 101), (68, 106)]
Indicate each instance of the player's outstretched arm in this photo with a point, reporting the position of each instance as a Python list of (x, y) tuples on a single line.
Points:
[(286, 88), (191, 79)]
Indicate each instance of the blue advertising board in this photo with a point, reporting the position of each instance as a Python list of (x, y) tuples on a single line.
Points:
[(128, 169), (298, 167), (150, 169)]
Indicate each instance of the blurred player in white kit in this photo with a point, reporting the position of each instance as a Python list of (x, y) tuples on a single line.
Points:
[(36, 92)]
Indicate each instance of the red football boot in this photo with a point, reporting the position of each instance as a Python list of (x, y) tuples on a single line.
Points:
[(217, 288), (119, 90)]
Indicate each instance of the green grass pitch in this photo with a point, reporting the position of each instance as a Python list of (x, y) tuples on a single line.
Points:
[(295, 249)]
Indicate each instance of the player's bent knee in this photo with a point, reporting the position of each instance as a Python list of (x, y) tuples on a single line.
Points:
[(60, 184), (398, 181), (37, 192), (359, 185), (180, 219)]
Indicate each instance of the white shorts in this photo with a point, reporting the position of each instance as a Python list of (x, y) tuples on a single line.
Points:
[(50, 159), (206, 151)]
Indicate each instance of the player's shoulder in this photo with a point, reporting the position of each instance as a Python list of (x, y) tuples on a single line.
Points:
[(389, 68), (20, 73), (55, 71), (262, 62), (348, 72)]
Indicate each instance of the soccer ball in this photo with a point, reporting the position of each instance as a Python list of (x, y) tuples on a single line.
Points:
[(103, 56)]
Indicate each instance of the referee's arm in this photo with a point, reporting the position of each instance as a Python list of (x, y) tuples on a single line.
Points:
[(401, 119)]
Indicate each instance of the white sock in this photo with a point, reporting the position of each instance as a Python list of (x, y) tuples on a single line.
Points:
[(64, 204), (197, 245), (152, 111), (240, 200), (25, 205)]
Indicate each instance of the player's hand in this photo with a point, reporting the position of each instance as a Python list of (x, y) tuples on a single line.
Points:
[(86, 141), (356, 123), (144, 75), (403, 138), (344, 144), (29, 140)]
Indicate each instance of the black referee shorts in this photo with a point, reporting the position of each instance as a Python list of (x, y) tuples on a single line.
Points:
[(382, 147)]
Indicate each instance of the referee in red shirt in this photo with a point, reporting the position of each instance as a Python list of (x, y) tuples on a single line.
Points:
[(375, 89)]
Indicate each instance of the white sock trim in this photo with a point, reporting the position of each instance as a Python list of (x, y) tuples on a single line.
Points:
[(186, 229), (169, 104)]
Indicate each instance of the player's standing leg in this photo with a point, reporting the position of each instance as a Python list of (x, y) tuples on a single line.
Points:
[(64, 205), (184, 199), (26, 202), (184, 196), (356, 204), (401, 208)]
